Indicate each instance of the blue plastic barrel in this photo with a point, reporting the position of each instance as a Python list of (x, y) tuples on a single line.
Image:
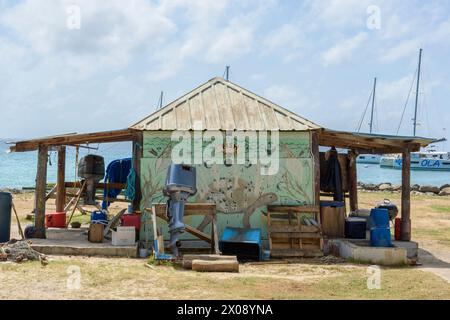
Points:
[(380, 218), (5, 216), (380, 237)]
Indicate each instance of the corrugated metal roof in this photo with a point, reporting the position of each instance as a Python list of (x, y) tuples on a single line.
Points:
[(222, 105)]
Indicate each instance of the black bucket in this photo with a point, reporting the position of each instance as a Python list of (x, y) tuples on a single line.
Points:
[(5, 216)]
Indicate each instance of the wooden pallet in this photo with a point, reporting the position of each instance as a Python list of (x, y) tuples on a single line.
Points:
[(289, 237)]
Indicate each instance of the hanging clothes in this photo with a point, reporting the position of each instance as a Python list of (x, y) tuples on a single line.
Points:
[(331, 180)]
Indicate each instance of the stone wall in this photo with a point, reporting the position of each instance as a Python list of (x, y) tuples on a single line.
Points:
[(444, 190)]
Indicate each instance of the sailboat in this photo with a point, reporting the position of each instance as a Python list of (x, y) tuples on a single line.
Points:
[(428, 159), (369, 158)]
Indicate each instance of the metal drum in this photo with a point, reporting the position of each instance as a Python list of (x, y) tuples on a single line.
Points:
[(5, 216)]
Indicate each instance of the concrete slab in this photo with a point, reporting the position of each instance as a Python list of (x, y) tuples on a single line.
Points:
[(82, 247), (360, 250), (412, 248), (67, 234)]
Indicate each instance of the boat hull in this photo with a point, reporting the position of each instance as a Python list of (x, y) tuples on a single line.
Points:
[(368, 158), (422, 164)]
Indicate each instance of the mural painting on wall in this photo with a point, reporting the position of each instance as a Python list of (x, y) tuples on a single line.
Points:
[(239, 191)]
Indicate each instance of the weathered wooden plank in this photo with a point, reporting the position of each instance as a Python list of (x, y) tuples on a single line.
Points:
[(169, 120), (280, 208), (316, 164), (352, 181), (239, 109), (74, 139), (267, 114), (293, 235), (41, 185), (197, 112), (284, 122), (60, 180), (99, 185), (138, 149), (183, 116), (212, 117), (190, 208), (252, 111), (225, 112)]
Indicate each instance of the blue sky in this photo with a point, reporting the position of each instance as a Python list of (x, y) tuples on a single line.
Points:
[(316, 58)]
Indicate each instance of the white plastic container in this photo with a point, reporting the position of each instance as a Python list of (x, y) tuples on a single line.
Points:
[(124, 236)]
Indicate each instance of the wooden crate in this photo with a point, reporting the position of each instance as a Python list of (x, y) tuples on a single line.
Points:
[(288, 237), (333, 221)]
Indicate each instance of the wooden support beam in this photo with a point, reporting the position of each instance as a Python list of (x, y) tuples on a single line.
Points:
[(405, 233), (98, 185), (352, 180), (316, 168), (60, 181), (41, 185), (138, 144), (75, 139)]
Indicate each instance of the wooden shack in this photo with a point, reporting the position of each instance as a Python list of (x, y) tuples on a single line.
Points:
[(242, 195)]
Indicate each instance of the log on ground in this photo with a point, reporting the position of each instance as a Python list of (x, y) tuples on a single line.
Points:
[(188, 258), (215, 265)]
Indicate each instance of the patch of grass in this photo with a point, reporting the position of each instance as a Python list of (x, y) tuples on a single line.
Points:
[(440, 208), (441, 235), (152, 261), (81, 218)]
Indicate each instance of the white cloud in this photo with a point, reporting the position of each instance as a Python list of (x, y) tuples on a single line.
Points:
[(339, 13), (401, 50), (233, 41), (343, 50)]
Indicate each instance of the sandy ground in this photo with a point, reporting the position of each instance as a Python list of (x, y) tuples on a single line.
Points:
[(430, 218), (112, 278)]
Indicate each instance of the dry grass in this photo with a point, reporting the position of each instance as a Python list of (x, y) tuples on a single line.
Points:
[(430, 215), (103, 278)]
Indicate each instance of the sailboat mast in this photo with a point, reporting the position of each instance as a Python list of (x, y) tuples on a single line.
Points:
[(417, 92), (373, 103)]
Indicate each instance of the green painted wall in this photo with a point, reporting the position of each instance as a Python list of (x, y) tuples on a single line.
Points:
[(237, 190)]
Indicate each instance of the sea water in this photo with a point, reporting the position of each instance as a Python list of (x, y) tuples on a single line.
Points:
[(18, 169), (372, 173)]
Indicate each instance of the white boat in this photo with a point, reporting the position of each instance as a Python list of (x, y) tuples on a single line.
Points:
[(422, 160), (368, 158)]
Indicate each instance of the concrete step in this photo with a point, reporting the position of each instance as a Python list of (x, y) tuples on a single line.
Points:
[(83, 248), (67, 234)]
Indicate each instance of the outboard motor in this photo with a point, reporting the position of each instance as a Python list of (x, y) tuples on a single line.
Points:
[(180, 185), (391, 208), (91, 168)]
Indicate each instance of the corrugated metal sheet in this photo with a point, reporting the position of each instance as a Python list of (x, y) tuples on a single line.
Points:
[(222, 105)]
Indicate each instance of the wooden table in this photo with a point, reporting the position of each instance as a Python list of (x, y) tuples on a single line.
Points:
[(191, 209)]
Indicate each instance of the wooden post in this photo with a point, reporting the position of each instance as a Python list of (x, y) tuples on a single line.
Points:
[(60, 181), (41, 184), (352, 180), (406, 196), (138, 143), (316, 164)]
